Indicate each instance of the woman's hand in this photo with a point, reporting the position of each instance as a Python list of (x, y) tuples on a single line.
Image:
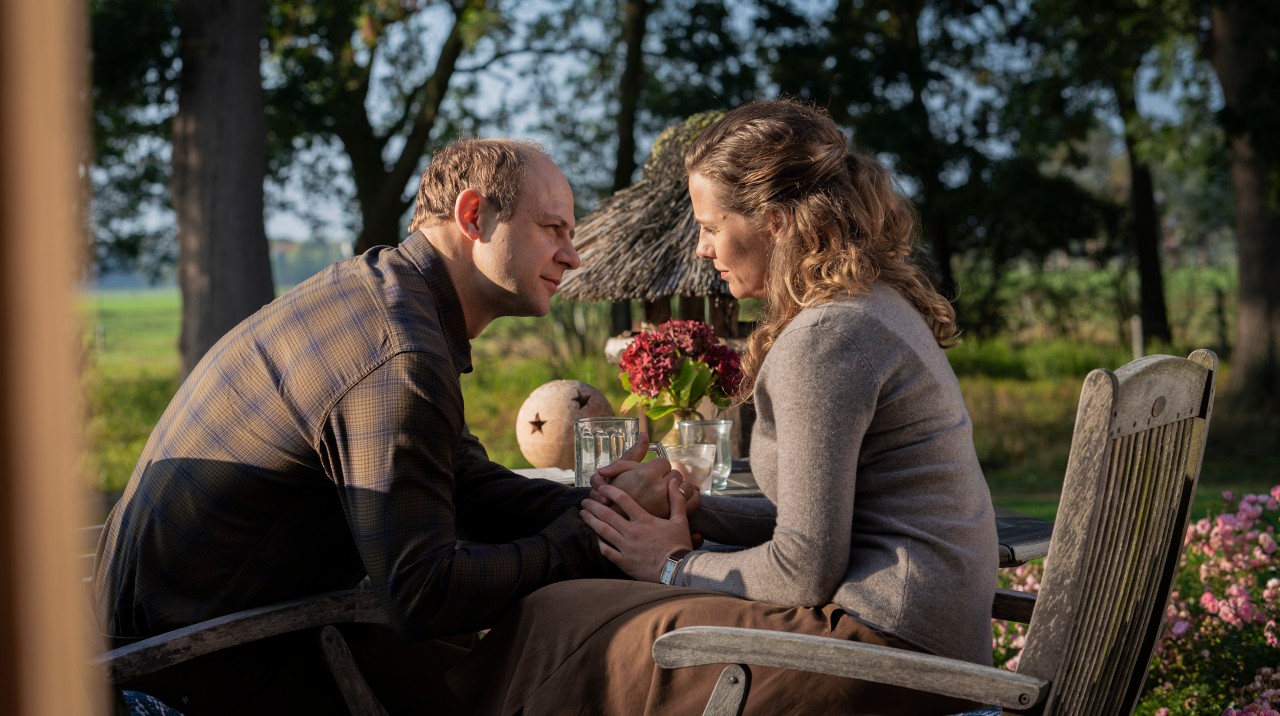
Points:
[(635, 540), (646, 482)]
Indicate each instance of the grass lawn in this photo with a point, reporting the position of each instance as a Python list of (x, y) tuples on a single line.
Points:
[(1022, 424)]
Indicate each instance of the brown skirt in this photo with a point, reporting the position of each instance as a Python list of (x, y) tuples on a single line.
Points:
[(585, 647)]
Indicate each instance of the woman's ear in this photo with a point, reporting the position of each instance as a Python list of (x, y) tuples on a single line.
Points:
[(467, 210), (775, 222)]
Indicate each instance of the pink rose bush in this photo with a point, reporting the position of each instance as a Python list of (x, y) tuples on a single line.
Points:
[(1008, 638), (1219, 651)]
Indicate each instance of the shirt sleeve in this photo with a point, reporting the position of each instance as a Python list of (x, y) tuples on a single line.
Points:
[(744, 521), (391, 444), (820, 396), (495, 505)]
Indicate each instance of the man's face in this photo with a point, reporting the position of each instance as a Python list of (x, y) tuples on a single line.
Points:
[(525, 258)]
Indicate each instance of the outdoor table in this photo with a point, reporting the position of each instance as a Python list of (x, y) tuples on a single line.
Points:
[(1021, 538)]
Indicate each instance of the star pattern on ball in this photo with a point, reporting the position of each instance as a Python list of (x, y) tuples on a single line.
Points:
[(537, 423), (582, 399)]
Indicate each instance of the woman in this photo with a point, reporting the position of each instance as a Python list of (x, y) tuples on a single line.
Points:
[(876, 525)]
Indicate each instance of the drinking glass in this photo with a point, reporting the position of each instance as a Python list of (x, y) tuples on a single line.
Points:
[(718, 433), (600, 441), (694, 462)]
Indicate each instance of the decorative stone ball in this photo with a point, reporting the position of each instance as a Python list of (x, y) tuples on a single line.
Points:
[(544, 425)]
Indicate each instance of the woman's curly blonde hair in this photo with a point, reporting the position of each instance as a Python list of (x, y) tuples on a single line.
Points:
[(845, 225)]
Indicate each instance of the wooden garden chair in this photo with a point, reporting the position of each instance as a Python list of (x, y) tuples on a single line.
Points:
[(1130, 480), (116, 666)]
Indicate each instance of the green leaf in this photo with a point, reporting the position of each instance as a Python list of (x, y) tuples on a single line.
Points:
[(719, 398), (690, 384), (664, 399), (683, 380), (632, 401), (659, 412), (625, 380), (701, 382)]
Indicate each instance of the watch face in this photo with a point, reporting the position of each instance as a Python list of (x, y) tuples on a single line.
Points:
[(668, 569)]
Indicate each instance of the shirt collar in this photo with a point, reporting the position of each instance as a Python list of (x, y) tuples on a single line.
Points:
[(448, 307)]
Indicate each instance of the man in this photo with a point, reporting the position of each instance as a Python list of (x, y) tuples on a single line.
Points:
[(323, 439)]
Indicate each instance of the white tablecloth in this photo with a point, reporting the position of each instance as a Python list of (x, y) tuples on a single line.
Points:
[(555, 474)]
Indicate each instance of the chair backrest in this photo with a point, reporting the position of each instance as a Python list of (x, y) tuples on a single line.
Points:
[(1131, 477)]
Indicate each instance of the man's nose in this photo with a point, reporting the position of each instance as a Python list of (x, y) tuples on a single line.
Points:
[(567, 256)]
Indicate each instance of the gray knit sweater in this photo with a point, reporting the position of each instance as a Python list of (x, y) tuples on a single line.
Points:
[(874, 497)]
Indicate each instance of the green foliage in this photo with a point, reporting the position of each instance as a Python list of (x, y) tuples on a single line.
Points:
[(1221, 623), (1040, 360), (1021, 395), (926, 85), (293, 263), (696, 58), (1218, 644), (503, 379), (134, 73), (122, 406), (130, 373), (1090, 303)]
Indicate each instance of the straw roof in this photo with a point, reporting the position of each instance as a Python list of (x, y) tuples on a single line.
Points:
[(639, 243)]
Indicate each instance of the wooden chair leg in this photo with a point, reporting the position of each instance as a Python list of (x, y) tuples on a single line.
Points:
[(360, 699), (730, 694)]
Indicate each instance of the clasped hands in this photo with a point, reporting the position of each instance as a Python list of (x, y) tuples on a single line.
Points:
[(640, 512)]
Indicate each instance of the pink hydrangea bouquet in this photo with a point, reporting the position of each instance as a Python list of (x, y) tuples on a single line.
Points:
[(671, 368)]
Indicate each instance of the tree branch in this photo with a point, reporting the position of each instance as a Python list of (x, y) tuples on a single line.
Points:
[(431, 96)]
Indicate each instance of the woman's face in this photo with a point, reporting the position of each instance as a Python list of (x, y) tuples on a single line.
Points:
[(739, 249)]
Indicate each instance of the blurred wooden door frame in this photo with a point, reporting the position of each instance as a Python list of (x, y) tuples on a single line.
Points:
[(42, 75)]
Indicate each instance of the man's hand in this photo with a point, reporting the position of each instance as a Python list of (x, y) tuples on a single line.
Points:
[(634, 539), (645, 482)]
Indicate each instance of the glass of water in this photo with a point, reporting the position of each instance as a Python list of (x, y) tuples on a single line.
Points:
[(694, 462), (600, 441), (718, 433)]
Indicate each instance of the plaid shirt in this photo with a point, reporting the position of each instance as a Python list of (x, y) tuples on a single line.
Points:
[(322, 440)]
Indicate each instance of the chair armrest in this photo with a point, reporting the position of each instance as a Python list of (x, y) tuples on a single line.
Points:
[(1013, 606), (694, 646), (1021, 538), (174, 647)]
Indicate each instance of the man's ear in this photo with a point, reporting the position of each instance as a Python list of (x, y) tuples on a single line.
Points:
[(467, 214)]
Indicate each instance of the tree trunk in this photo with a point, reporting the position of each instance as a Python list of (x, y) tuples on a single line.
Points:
[(219, 164), (636, 12), (1146, 244), (1240, 40), (1255, 359)]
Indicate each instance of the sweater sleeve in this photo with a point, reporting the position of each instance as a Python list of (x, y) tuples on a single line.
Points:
[(819, 393)]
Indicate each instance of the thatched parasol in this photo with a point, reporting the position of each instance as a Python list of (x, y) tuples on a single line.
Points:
[(639, 243)]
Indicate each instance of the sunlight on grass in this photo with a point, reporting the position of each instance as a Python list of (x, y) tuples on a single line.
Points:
[(1022, 398)]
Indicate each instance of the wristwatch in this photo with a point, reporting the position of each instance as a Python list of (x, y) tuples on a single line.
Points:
[(673, 562)]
